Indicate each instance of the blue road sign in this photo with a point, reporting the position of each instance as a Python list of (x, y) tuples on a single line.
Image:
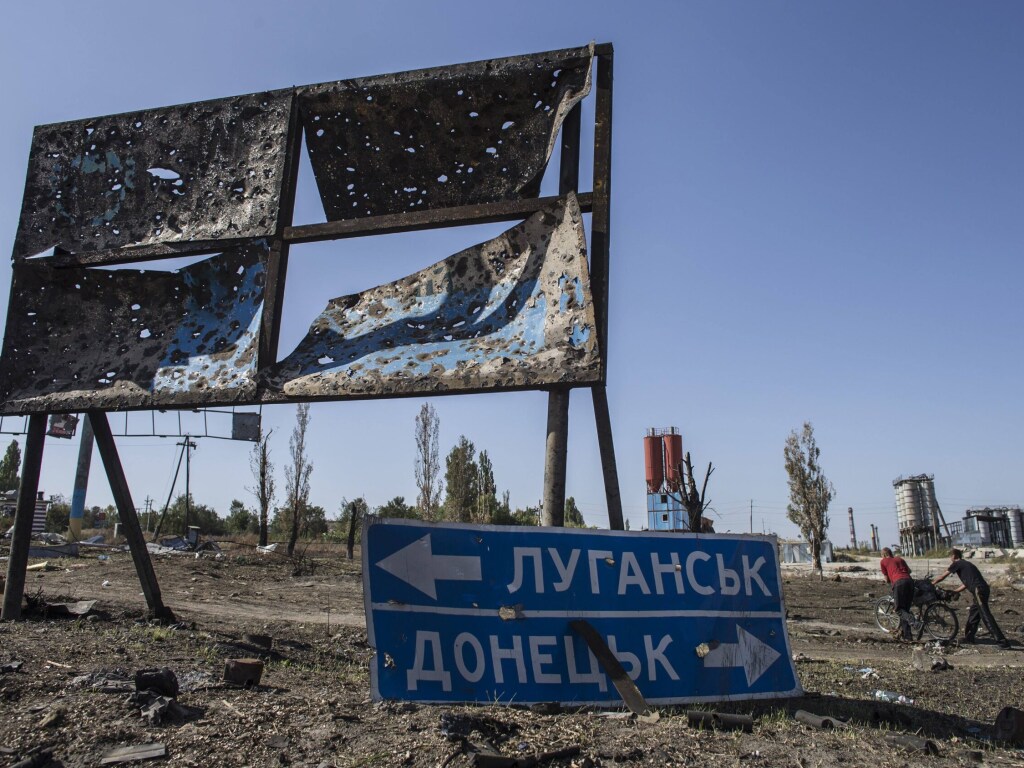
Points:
[(482, 613)]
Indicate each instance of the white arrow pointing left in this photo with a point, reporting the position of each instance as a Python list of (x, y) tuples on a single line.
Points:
[(417, 566), (750, 653)]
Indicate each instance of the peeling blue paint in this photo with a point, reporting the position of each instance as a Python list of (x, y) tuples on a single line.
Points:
[(215, 342), (579, 336), (508, 312)]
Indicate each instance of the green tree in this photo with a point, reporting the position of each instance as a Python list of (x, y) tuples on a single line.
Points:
[(428, 465), (340, 529), (486, 492), (460, 480), (10, 466), (297, 475), (240, 519), (573, 515), (200, 515), (263, 473), (506, 516), (314, 522), (58, 514), (502, 511), (397, 508), (810, 492)]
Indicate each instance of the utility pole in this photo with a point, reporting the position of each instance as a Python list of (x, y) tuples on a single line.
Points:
[(148, 506), (187, 445), (751, 515)]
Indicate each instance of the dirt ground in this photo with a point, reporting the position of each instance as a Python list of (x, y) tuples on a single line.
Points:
[(313, 708)]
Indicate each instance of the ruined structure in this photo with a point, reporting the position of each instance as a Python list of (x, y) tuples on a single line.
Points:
[(439, 147)]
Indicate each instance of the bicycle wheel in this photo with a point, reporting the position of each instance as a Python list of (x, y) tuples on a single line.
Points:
[(885, 615), (940, 622)]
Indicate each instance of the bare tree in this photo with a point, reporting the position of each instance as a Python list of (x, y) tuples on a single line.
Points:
[(810, 492), (297, 474), (263, 474), (428, 462), (694, 502)]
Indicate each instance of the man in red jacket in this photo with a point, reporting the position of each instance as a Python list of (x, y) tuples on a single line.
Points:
[(897, 573)]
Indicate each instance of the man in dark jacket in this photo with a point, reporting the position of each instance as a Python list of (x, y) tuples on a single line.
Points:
[(973, 582), (897, 573)]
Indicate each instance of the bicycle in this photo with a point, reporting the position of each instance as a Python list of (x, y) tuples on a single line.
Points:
[(932, 613)]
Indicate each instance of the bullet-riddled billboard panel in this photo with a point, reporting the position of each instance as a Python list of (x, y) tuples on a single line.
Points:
[(512, 312), (82, 338)]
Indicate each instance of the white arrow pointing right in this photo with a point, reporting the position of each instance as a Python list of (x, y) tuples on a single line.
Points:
[(750, 653)]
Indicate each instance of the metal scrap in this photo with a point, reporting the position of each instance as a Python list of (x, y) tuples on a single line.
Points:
[(612, 667), (720, 721), (130, 754)]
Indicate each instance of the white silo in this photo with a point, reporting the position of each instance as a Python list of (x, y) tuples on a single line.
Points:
[(1016, 516)]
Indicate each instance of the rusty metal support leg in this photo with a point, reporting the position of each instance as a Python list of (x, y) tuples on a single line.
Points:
[(23, 515), (607, 447), (126, 512), (555, 457)]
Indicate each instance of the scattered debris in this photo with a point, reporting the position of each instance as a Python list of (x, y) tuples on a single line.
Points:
[(161, 681), (35, 758), (265, 642), (78, 610), (244, 672), (43, 566), (1009, 725), (912, 743), (866, 673), (107, 682), (818, 721), (546, 708), (610, 664), (130, 754), (10, 666), (722, 721), (57, 550), (155, 708), (923, 662), (489, 760), (892, 697), (53, 718)]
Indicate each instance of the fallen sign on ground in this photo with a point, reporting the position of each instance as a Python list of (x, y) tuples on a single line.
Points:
[(464, 613)]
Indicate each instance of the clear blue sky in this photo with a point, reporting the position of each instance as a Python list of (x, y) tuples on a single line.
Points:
[(818, 214)]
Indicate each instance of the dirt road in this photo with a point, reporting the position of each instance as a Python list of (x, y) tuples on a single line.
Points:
[(314, 710)]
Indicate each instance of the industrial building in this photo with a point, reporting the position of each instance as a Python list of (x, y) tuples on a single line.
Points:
[(663, 457), (922, 526), (919, 517), (989, 527)]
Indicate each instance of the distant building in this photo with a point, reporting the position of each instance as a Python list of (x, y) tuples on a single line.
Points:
[(918, 514), (989, 527), (799, 551)]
